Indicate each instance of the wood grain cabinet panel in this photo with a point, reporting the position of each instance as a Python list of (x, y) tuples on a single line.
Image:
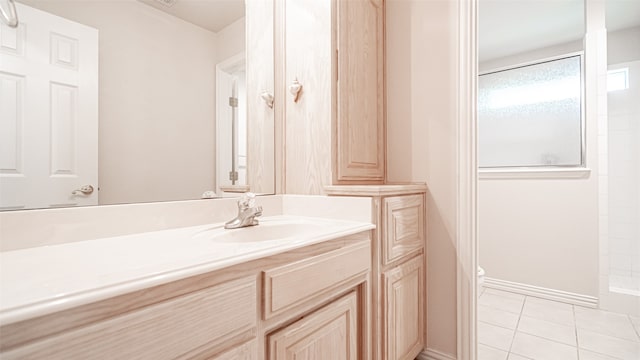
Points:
[(404, 226), (167, 330), (334, 128), (360, 120), (328, 333), (404, 310), (292, 284), (248, 351), (307, 117)]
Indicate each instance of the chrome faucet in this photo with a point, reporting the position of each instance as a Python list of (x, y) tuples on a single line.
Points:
[(247, 212)]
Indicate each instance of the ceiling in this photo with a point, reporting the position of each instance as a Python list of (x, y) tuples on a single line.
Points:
[(213, 15), (508, 27)]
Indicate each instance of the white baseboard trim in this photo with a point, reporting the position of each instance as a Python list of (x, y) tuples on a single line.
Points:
[(430, 354), (543, 293)]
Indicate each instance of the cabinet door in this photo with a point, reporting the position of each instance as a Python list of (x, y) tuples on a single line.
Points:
[(360, 141), (404, 310), (329, 333), (260, 77), (307, 117)]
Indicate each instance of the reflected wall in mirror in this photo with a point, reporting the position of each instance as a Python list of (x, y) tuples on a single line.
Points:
[(144, 100)]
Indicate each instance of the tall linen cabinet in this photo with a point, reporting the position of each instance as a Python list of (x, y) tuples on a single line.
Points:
[(330, 88)]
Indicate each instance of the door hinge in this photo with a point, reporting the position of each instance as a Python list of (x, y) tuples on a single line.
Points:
[(233, 102), (233, 175)]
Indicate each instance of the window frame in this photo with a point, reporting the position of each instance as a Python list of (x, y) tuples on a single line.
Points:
[(545, 171)]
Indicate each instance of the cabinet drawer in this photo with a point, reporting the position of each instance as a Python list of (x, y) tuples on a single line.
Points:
[(404, 226), (289, 285), (166, 330)]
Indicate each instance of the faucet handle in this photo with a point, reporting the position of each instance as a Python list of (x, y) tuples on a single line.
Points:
[(248, 200)]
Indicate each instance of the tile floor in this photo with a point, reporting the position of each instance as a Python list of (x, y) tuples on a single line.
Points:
[(516, 327)]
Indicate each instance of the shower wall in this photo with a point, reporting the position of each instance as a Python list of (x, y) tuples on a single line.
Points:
[(624, 182), (620, 179)]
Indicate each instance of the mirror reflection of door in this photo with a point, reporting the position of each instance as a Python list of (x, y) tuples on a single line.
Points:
[(48, 112), (231, 126)]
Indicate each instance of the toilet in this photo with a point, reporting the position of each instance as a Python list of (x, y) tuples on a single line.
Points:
[(480, 280)]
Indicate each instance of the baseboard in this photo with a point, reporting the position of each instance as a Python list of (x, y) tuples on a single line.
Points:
[(543, 293), (430, 354)]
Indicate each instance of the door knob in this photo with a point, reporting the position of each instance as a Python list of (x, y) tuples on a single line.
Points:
[(84, 190)]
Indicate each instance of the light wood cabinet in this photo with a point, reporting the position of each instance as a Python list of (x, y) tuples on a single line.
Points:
[(165, 330), (360, 127), (398, 264), (334, 129), (403, 304), (310, 301), (403, 227), (328, 333), (288, 285), (259, 17), (248, 351)]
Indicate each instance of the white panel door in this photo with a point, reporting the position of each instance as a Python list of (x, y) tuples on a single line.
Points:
[(48, 112), (224, 124)]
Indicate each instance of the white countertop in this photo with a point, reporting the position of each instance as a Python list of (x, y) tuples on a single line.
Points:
[(42, 280)]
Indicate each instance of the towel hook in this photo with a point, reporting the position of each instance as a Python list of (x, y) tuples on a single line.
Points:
[(268, 98), (10, 18), (295, 89)]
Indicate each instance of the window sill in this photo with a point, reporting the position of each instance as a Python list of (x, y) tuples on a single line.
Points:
[(529, 173)]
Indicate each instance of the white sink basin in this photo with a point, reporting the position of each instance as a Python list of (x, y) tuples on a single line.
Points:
[(268, 230)]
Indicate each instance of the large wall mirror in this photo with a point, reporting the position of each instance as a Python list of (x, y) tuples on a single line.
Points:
[(127, 101)]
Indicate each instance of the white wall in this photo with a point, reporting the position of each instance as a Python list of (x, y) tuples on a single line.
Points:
[(422, 53), (538, 54), (619, 50), (231, 40), (541, 232), (622, 46)]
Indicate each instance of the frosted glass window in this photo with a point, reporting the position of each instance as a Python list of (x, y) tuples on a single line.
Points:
[(531, 115), (618, 79)]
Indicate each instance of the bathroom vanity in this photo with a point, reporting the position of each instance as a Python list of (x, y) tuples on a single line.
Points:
[(291, 287)]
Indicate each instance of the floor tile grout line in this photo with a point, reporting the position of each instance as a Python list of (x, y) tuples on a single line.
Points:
[(544, 338), (522, 356), (600, 353), (549, 321), (607, 334), (493, 347), (495, 308), (633, 326), (524, 301), (503, 297)]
